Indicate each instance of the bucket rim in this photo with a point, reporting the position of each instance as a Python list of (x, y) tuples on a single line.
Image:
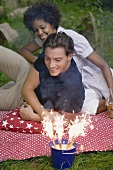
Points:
[(63, 140)]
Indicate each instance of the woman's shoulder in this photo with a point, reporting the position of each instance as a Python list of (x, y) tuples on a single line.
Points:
[(81, 44), (70, 32)]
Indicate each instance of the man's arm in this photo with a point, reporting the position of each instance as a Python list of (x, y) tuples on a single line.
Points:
[(29, 95), (33, 104)]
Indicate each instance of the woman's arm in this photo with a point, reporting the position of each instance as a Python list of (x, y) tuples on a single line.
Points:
[(27, 51), (99, 62), (84, 49)]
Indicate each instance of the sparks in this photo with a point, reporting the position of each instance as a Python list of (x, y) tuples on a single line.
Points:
[(55, 130), (48, 127), (79, 126)]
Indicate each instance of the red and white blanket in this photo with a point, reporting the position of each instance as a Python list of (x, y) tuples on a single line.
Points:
[(20, 146)]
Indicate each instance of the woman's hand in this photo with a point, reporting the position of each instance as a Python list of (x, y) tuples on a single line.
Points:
[(27, 113)]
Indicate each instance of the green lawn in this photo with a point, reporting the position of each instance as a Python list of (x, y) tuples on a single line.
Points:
[(84, 161), (73, 15)]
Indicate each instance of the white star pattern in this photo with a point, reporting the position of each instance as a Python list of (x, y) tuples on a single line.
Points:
[(12, 118), (11, 126), (14, 113), (29, 126), (5, 123), (22, 121)]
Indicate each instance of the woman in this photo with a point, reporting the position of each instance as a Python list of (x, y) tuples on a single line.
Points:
[(54, 82), (43, 19)]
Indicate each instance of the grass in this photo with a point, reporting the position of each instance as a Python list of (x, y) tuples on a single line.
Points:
[(73, 15), (84, 161)]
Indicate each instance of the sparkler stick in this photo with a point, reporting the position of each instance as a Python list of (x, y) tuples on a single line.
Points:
[(54, 144), (70, 144), (60, 145)]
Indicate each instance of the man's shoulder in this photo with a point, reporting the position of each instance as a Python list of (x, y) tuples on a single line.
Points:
[(39, 63), (72, 76)]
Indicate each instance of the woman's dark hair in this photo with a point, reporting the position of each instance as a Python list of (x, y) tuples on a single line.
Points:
[(60, 39), (44, 10)]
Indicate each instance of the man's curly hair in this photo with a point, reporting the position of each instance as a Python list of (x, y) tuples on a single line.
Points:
[(46, 11)]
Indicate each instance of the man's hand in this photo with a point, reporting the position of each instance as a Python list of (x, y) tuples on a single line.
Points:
[(27, 113)]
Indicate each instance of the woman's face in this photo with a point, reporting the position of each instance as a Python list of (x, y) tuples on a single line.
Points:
[(42, 29), (56, 60)]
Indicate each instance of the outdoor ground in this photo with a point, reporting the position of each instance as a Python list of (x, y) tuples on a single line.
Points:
[(73, 16)]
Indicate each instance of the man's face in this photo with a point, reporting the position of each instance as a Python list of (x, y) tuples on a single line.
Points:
[(56, 60), (42, 29)]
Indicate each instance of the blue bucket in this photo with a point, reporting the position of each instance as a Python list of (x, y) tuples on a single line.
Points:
[(62, 159)]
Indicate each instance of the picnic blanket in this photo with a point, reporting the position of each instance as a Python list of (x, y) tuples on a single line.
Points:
[(18, 145)]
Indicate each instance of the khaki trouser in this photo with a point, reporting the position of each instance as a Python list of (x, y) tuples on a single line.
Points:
[(17, 68)]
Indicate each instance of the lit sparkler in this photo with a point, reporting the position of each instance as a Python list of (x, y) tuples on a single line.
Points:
[(78, 127), (55, 130), (58, 126), (48, 127)]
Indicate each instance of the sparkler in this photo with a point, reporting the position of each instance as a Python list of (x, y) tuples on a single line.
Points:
[(55, 130), (58, 125), (78, 127), (48, 129)]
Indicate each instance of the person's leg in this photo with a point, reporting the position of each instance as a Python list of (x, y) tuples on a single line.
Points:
[(91, 102), (7, 85), (17, 68)]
